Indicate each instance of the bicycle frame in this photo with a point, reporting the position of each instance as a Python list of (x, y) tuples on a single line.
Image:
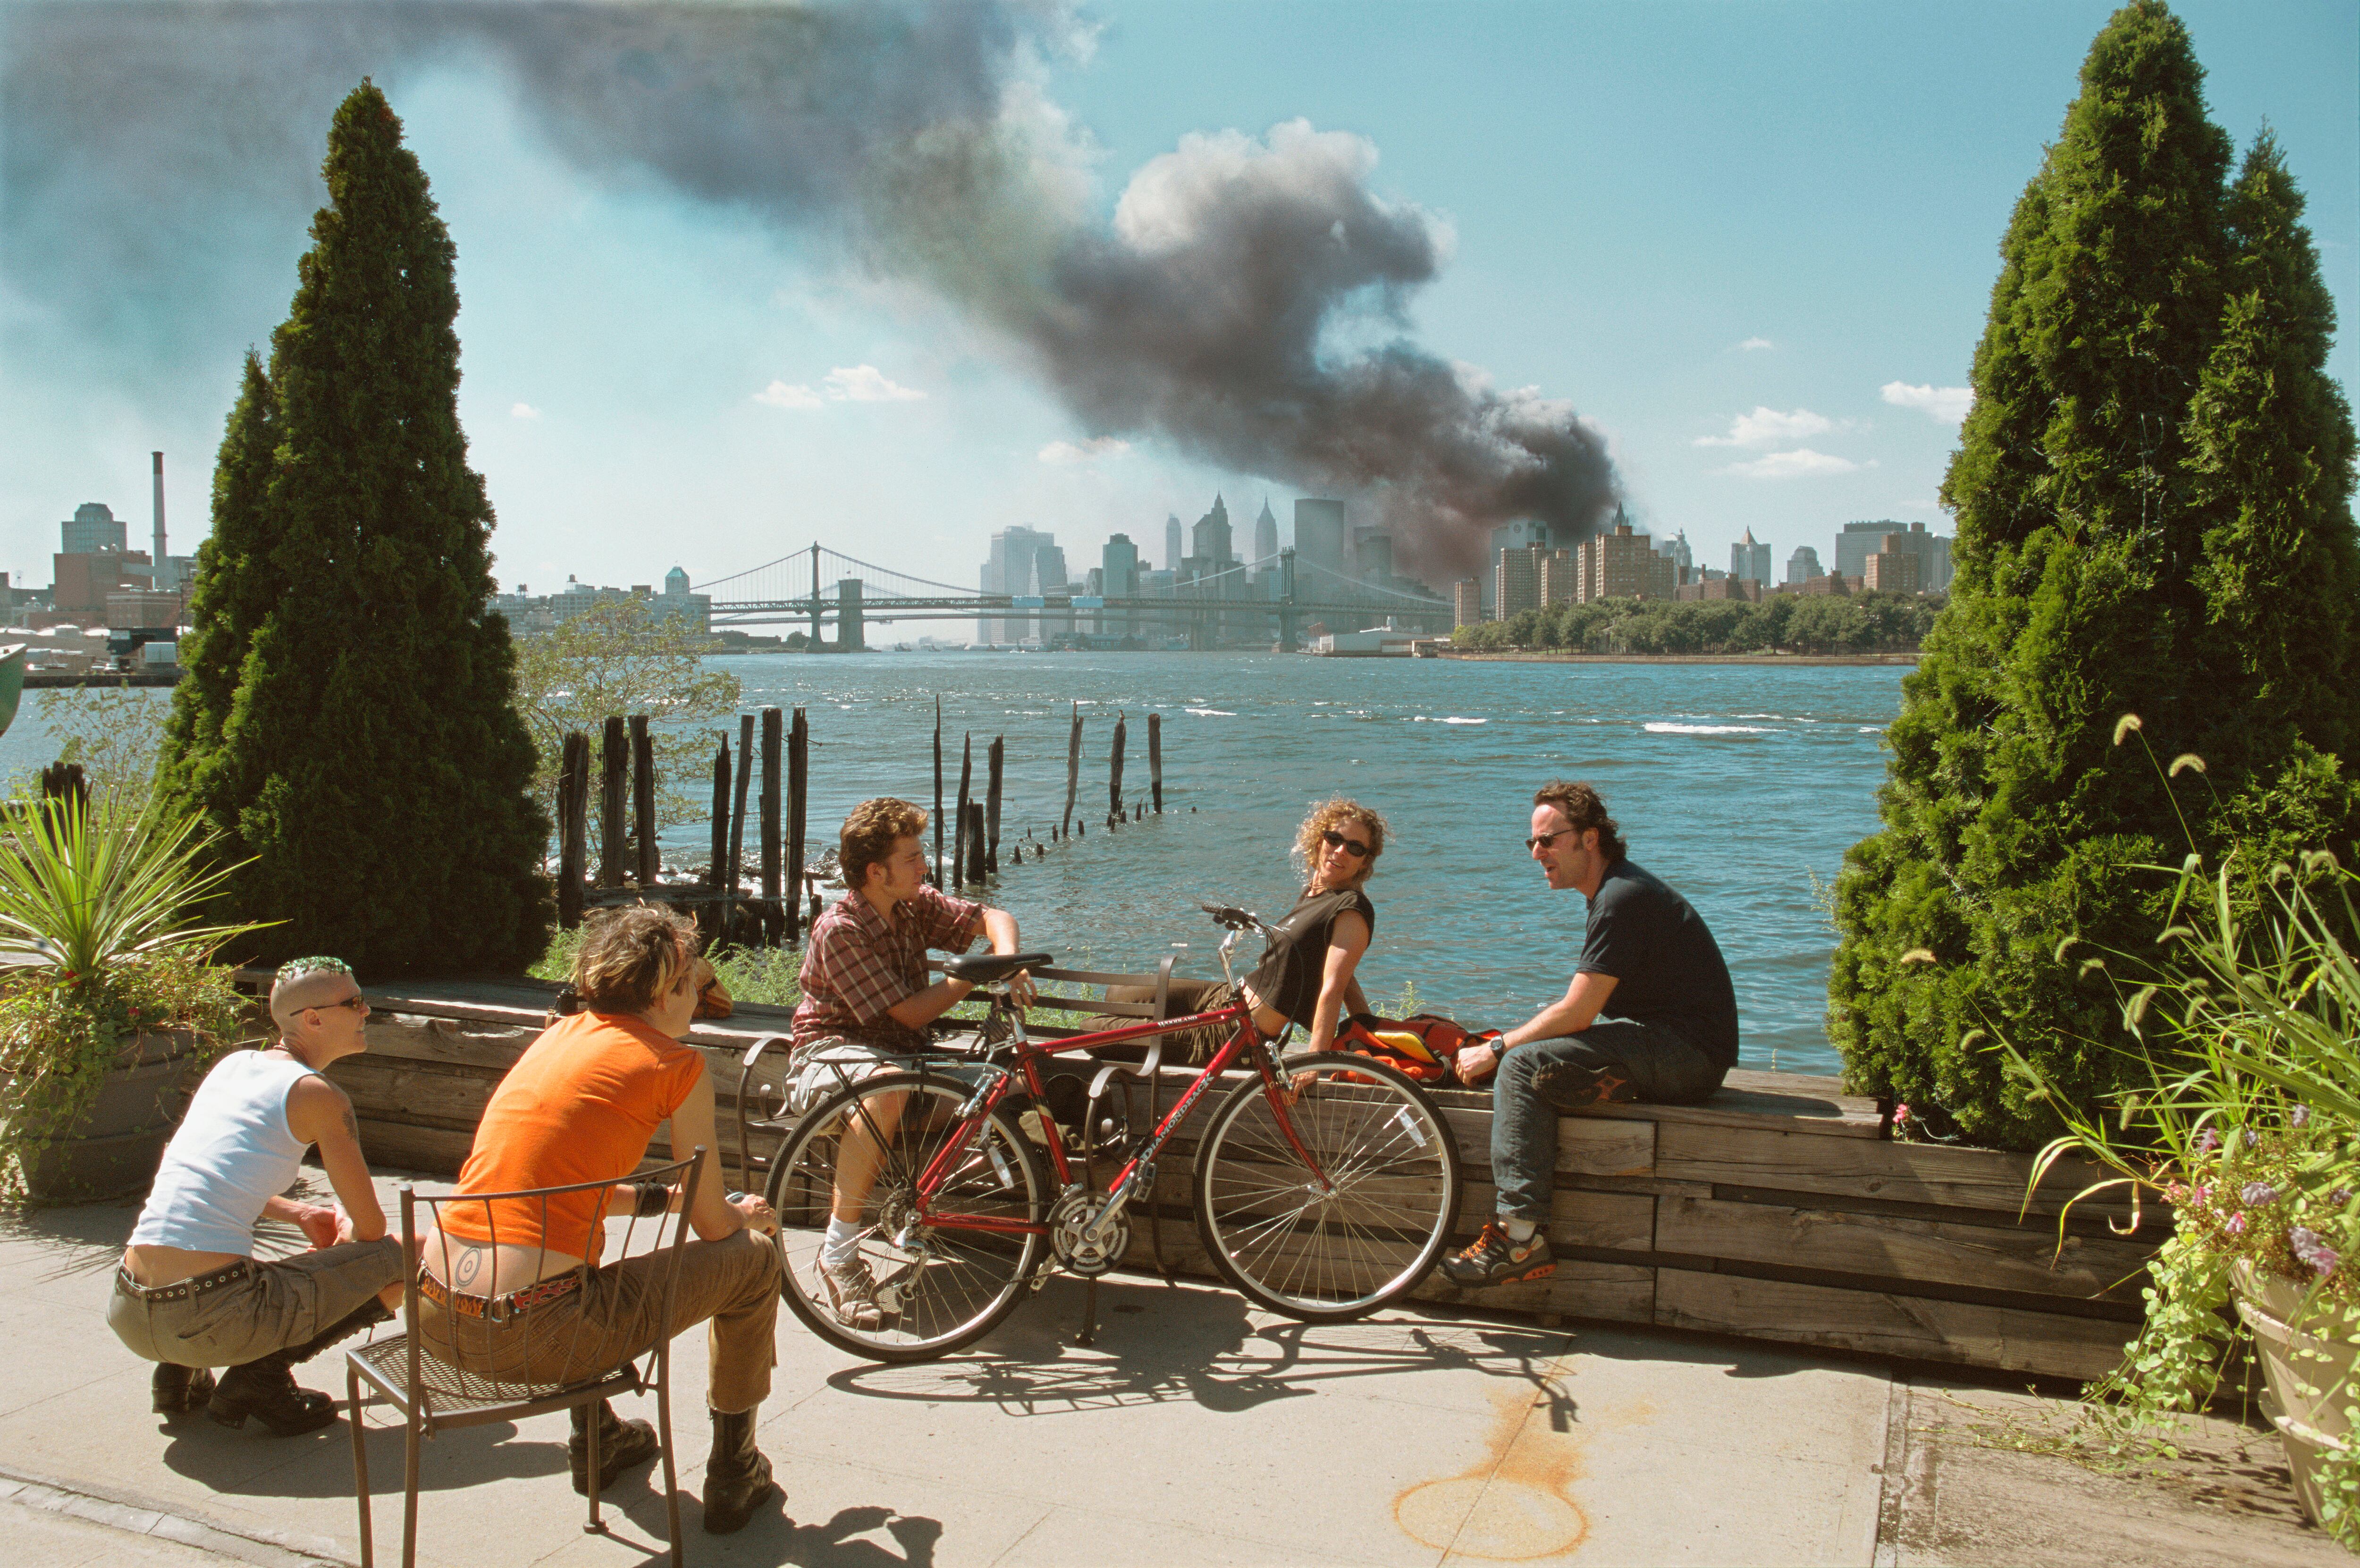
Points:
[(1246, 1041)]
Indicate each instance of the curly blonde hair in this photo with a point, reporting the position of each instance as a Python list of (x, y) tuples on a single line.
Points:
[(1327, 813), (630, 955)]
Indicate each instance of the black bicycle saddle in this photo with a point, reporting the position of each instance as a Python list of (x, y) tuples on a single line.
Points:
[(988, 969)]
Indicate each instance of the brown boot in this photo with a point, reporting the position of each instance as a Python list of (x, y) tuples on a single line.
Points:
[(736, 1477)]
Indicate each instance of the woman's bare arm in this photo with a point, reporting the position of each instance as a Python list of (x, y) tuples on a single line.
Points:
[(1347, 940)]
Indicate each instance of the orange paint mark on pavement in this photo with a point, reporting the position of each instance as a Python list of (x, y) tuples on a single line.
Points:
[(1513, 1504)]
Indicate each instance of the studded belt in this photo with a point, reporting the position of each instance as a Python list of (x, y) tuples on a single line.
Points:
[(180, 1289), (496, 1307)]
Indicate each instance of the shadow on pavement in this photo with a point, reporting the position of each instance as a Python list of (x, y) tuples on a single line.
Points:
[(320, 1464)]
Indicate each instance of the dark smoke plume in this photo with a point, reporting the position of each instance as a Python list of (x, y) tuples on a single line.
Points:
[(155, 161)]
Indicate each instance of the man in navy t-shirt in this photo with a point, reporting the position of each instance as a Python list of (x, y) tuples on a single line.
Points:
[(1650, 1015)]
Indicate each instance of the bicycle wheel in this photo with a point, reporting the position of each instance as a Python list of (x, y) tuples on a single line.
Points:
[(1327, 1252), (942, 1287)]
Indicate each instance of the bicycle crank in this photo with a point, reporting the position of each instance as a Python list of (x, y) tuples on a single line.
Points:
[(1070, 1238)]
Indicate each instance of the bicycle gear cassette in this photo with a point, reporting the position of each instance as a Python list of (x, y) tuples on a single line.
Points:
[(1074, 1251)]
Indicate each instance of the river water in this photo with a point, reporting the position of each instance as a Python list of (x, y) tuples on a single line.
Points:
[(1738, 784)]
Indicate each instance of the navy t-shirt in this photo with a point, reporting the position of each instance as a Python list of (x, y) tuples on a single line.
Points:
[(1666, 968)]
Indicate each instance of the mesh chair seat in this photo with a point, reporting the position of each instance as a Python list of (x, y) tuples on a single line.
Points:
[(451, 1391)]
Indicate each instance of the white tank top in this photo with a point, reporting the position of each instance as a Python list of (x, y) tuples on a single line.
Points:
[(233, 1154)]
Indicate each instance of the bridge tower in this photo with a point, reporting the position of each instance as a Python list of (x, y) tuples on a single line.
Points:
[(815, 598), (1287, 643), (847, 615)]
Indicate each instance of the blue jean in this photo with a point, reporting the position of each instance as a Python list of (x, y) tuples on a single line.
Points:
[(1614, 1061)]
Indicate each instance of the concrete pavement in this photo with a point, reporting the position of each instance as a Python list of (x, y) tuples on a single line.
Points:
[(1195, 1430)]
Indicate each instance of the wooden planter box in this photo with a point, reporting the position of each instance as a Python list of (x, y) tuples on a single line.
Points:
[(1777, 1211)]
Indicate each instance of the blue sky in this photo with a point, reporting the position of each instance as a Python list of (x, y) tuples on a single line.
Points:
[(1721, 231)]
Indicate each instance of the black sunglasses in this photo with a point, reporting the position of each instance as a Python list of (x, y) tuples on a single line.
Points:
[(355, 1002), (1352, 847), (1543, 840)]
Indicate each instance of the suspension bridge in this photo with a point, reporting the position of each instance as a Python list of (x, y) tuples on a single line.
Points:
[(1268, 599)]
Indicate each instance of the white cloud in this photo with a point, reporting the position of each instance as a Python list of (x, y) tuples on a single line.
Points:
[(866, 384), (1768, 427), (1071, 452), (1801, 464), (1754, 342), (780, 395), (524, 411), (1944, 405)]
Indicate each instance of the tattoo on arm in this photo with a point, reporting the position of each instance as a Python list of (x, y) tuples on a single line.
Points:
[(352, 1123)]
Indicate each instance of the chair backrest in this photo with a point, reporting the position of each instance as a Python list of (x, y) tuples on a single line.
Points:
[(505, 1362)]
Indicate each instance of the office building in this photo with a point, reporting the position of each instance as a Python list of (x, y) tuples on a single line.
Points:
[(1466, 602), (1859, 540), (1372, 555), (1516, 580), (1173, 548), (1521, 534), (1624, 564), (1894, 569), (677, 603), (1750, 560), (1010, 570), (94, 530), (1803, 565), (1318, 547), (1265, 543), (84, 580), (1118, 578)]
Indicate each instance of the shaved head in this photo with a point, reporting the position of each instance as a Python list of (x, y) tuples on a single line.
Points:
[(309, 982)]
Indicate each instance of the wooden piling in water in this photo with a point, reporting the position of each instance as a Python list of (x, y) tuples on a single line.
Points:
[(774, 737), (1114, 775), (958, 843), (975, 846), (644, 802), (615, 762), (1155, 759), (798, 792), (998, 756), (1073, 773), (572, 826), (738, 822), (935, 868)]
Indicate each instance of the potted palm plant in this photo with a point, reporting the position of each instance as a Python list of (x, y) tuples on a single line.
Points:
[(109, 999), (2248, 1126)]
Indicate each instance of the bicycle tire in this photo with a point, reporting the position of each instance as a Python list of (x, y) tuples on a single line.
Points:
[(1393, 1203), (954, 1287)]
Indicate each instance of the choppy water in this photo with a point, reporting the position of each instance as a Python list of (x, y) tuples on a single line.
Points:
[(1735, 783)]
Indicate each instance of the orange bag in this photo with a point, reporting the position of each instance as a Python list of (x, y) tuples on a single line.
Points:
[(1420, 1046)]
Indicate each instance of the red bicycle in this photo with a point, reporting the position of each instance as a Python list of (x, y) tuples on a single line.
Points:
[(1325, 1185)]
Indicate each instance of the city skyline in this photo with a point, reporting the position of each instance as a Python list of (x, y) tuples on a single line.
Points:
[(1773, 339)]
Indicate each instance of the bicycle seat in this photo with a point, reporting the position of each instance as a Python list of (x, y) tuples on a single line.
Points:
[(988, 969)]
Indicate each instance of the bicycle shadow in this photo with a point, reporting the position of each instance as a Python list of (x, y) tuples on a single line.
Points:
[(1157, 1345)]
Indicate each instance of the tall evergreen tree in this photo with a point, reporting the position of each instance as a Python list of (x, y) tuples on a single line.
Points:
[(348, 724), (2095, 578)]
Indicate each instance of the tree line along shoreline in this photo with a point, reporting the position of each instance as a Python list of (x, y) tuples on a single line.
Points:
[(1857, 624)]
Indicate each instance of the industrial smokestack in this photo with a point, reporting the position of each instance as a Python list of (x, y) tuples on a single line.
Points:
[(162, 579)]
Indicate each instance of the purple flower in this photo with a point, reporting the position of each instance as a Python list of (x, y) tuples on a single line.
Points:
[(2316, 1255), (2257, 1193), (2252, 1137), (2236, 1226), (2340, 1196), (2300, 1117), (2207, 1141)]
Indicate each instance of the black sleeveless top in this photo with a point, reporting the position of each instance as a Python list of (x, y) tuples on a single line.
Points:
[(1288, 980)]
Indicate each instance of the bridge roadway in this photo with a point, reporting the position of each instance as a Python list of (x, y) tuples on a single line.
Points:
[(1200, 615)]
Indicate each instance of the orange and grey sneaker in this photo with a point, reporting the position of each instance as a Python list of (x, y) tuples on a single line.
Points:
[(1496, 1260)]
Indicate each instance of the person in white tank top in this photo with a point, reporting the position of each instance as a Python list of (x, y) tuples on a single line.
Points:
[(191, 1294)]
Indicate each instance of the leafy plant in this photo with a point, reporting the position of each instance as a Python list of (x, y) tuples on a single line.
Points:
[(96, 948), (113, 730)]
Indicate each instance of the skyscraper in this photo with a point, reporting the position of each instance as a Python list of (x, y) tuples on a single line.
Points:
[(1173, 549), (1265, 543), (1803, 565), (1212, 540), (1010, 571), (1318, 547), (1748, 560), (1119, 567)]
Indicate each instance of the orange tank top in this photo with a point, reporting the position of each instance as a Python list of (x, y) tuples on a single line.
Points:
[(579, 1105)]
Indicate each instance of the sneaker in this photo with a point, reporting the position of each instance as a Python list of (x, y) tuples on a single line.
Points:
[(1496, 1260), (852, 1292)]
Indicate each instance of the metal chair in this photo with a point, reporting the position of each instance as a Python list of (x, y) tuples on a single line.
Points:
[(420, 1375)]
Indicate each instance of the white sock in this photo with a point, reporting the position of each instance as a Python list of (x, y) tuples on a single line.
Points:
[(1519, 1231), (843, 1240)]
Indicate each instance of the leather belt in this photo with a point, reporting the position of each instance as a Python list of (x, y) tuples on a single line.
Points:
[(180, 1290), (496, 1307)]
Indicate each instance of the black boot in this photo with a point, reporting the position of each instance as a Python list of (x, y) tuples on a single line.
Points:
[(266, 1391), (179, 1389), (621, 1444), (736, 1476)]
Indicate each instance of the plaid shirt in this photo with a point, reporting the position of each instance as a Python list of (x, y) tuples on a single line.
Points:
[(858, 963)]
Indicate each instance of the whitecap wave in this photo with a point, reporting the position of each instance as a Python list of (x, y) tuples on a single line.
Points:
[(1659, 727), (1212, 713), (1456, 719), (1871, 729)]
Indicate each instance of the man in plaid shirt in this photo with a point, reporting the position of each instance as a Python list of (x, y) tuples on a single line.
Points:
[(866, 1006)]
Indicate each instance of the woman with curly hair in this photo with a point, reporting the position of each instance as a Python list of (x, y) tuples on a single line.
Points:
[(1306, 978)]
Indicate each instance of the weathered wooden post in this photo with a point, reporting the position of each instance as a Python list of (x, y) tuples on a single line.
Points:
[(774, 727), (614, 761), (991, 806), (643, 801), (1155, 759), (797, 789), (572, 826), (1114, 775), (64, 781), (707, 918), (934, 871), (975, 846), (958, 844), (738, 822), (1073, 771)]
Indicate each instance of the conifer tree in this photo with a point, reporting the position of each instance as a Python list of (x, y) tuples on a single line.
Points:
[(2111, 539), (349, 723)]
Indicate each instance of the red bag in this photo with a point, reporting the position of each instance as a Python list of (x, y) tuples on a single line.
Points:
[(1421, 1047)]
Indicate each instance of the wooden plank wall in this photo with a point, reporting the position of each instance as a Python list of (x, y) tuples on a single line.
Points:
[(1777, 1211)]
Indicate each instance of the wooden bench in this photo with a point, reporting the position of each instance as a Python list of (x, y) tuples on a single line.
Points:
[(1779, 1210)]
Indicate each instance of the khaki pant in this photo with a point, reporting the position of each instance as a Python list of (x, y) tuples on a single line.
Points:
[(251, 1310), (617, 1312)]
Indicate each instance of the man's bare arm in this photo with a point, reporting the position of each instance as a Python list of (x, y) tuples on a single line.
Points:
[(917, 1012), (1570, 1014), (318, 1113)]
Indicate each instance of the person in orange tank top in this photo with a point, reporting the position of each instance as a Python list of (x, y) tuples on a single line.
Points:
[(517, 1288)]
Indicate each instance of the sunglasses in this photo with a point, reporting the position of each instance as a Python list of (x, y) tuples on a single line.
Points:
[(1351, 847), (1543, 840), (355, 1003)]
